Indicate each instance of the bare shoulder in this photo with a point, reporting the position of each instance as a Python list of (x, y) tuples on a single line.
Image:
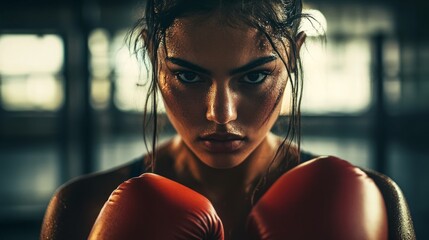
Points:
[(75, 205)]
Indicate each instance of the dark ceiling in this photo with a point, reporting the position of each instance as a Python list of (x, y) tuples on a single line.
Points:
[(411, 16)]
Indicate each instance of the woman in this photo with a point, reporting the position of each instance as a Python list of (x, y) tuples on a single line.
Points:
[(222, 68)]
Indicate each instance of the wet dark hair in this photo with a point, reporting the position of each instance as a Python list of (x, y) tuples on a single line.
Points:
[(277, 20)]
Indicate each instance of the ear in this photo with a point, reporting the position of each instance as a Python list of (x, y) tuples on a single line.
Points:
[(300, 39)]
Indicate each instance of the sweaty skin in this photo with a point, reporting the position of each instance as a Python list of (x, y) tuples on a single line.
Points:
[(222, 118), (210, 80), (219, 102)]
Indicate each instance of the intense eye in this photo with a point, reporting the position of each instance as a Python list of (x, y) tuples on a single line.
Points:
[(256, 77), (187, 77)]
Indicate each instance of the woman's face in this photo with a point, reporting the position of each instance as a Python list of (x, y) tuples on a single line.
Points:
[(221, 87)]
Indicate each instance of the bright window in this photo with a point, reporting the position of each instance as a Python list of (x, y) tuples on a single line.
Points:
[(112, 64), (30, 72), (128, 95), (100, 70), (336, 76), (337, 73)]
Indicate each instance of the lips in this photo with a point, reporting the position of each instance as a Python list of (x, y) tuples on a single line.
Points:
[(222, 142)]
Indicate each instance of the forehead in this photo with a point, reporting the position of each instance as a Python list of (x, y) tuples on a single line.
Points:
[(210, 41)]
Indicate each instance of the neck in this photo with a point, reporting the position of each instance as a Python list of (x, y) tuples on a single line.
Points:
[(223, 182), (229, 190)]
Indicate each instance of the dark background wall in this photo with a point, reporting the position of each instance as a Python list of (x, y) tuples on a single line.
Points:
[(40, 149)]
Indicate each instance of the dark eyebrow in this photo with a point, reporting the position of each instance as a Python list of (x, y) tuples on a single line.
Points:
[(253, 64), (186, 64)]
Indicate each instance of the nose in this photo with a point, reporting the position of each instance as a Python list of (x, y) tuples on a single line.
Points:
[(221, 106)]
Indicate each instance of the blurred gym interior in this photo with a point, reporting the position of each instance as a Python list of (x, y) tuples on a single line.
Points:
[(70, 102)]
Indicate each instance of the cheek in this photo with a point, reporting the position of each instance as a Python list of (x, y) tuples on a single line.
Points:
[(262, 106), (182, 106)]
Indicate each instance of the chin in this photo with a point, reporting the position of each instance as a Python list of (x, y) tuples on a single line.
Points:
[(223, 161)]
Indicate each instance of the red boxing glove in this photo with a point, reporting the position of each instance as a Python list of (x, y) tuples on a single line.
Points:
[(326, 198), (154, 207)]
